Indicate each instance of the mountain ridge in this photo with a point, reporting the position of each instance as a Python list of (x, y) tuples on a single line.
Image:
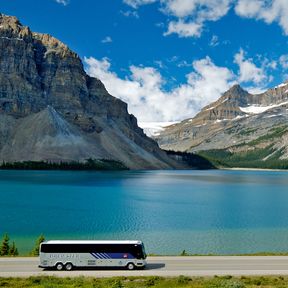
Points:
[(52, 110), (238, 122)]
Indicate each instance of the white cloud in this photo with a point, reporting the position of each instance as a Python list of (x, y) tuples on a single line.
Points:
[(137, 3), (184, 29), (63, 2), (284, 61), (268, 10), (214, 41), (189, 15), (272, 64), (107, 39), (248, 71), (192, 15), (248, 8), (256, 90), (147, 99), (187, 18), (201, 10), (180, 8), (130, 13)]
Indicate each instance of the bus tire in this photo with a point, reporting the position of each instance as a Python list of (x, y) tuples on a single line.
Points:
[(59, 266), (130, 266), (68, 266)]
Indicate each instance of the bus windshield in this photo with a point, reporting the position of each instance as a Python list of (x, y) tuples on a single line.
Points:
[(143, 251)]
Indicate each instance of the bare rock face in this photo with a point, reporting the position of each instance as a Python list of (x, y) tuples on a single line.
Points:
[(50, 109)]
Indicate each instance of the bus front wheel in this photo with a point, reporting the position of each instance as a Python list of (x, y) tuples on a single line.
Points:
[(68, 266), (59, 266), (130, 266)]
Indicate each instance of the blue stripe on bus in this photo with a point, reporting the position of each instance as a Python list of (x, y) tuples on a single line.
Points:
[(112, 255)]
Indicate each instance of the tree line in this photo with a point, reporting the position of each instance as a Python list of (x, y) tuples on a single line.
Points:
[(89, 164), (8, 249)]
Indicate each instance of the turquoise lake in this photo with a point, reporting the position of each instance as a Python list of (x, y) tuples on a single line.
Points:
[(219, 212)]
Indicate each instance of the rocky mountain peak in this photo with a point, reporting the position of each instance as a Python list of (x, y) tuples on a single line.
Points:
[(53, 45), (234, 113), (50, 109), (11, 28), (226, 107), (236, 90), (11, 21)]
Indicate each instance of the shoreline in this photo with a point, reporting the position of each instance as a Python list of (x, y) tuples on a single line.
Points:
[(252, 169)]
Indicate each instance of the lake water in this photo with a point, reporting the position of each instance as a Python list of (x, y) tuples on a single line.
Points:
[(219, 212)]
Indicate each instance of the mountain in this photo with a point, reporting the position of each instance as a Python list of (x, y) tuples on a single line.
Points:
[(51, 110), (239, 129)]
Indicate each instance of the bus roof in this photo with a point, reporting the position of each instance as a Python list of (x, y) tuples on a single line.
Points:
[(135, 242)]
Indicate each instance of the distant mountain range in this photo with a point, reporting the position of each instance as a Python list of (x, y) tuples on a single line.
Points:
[(238, 130), (51, 110)]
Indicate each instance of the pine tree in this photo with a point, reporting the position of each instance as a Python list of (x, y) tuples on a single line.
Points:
[(35, 251), (4, 249), (13, 250)]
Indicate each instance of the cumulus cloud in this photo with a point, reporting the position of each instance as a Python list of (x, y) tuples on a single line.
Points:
[(248, 71), (192, 15), (201, 10), (187, 18), (63, 2), (269, 11), (143, 89), (183, 29)]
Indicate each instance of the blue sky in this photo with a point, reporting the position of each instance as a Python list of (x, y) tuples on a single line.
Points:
[(168, 58)]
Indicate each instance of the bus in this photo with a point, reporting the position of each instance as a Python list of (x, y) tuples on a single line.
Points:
[(69, 254)]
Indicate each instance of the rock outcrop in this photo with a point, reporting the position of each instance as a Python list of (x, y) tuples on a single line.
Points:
[(51, 110)]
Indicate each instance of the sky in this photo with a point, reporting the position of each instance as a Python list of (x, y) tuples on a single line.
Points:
[(168, 58)]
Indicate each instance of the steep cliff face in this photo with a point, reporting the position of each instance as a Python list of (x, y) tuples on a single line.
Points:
[(238, 122), (50, 109)]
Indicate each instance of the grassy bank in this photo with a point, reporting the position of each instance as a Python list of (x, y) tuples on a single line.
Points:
[(143, 282)]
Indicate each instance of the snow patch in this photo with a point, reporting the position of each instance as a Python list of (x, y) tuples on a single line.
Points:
[(221, 120), (240, 117), (282, 85), (254, 109), (18, 39), (154, 128), (274, 115), (210, 108)]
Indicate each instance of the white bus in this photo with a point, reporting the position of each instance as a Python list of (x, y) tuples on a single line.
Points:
[(68, 254)]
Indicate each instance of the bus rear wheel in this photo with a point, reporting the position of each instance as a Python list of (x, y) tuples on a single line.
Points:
[(130, 266), (68, 266), (59, 266)]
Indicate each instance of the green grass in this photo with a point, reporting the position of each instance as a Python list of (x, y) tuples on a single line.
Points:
[(146, 282)]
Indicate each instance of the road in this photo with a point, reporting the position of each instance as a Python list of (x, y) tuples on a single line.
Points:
[(161, 266)]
